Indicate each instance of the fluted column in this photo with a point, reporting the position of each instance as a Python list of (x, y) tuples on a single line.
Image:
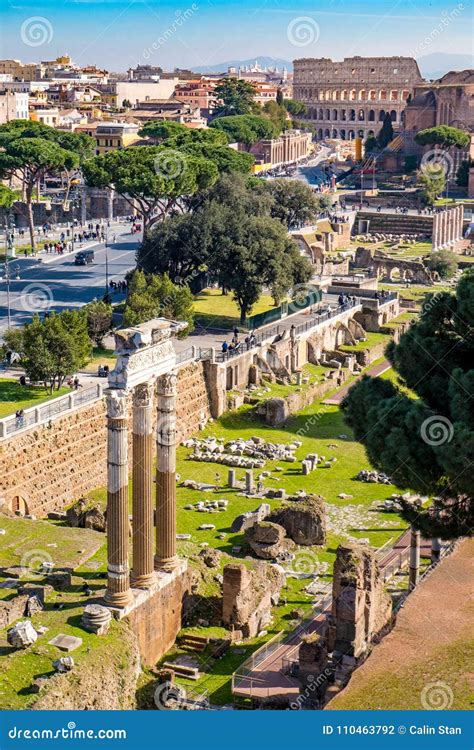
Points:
[(142, 486), (165, 558), (118, 584)]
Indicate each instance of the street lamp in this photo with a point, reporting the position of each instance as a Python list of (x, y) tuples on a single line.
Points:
[(7, 278)]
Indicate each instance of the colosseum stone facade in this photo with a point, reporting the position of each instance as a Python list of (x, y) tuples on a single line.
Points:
[(350, 99)]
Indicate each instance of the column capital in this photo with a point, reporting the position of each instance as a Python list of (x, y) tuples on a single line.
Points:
[(166, 384), (117, 405), (143, 394)]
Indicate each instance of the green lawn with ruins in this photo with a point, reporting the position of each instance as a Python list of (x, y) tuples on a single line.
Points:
[(216, 310), (320, 428), (14, 396)]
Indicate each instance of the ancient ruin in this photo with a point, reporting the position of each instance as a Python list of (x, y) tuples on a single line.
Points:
[(248, 596)]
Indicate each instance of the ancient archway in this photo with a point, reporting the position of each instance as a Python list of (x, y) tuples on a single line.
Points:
[(19, 506)]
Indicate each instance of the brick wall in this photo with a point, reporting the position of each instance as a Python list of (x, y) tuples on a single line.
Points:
[(52, 465)]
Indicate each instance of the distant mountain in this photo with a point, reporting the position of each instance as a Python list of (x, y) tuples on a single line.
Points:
[(438, 64), (264, 62)]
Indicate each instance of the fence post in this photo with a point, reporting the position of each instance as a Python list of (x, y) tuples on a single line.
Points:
[(193, 349), (99, 390), (2, 430), (71, 401)]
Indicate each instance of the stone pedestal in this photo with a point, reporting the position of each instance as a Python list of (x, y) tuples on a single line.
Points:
[(142, 491), (118, 584), (231, 481), (249, 481), (166, 558)]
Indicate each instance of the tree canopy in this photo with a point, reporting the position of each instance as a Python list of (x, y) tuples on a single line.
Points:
[(152, 295), (246, 129), (432, 179), (232, 235), (29, 150), (295, 108), (294, 203), (443, 262), (152, 177), (443, 135), (425, 442), (53, 348), (236, 96)]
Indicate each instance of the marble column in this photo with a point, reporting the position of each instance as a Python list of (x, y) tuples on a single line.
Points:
[(118, 580), (165, 557), (443, 228), (435, 232), (414, 569), (142, 488)]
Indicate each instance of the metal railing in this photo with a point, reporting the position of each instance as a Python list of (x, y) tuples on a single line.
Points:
[(37, 415), (253, 342), (318, 318)]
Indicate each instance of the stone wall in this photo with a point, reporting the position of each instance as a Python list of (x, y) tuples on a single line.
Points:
[(361, 608), (248, 596), (157, 620), (52, 465)]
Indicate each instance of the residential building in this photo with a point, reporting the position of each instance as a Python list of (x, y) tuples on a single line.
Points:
[(13, 106), (113, 135)]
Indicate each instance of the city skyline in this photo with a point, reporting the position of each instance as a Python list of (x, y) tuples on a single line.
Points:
[(206, 33)]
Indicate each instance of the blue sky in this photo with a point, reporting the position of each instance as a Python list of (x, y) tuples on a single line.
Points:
[(118, 34)]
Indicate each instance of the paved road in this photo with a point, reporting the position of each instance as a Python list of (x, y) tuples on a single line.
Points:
[(54, 282)]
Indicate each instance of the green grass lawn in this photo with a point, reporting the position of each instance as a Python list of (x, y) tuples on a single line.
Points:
[(14, 396), (100, 356), (216, 310), (372, 340), (413, 292)]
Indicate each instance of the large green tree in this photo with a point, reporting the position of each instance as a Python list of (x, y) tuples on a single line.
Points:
[(152, 295), (30, 150), (237, 97), (294, 202), (425, 441), (153, 179), (246, 129), (432, 179), (443, 262), (443, 135), (53, 348)]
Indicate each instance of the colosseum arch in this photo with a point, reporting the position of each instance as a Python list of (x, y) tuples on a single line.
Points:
[(351, 135), (328, 114), (381, 115), (372, 95), (320, 134), (343, 134), (344, 94), (361, 115), (334, 114), (393, 115), (342, 115), (383, 95), (321, 114), (394, 96), (352, 115), (362, 95), (371, 117)]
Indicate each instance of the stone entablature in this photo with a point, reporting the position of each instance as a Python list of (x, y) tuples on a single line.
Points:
[(351, 98)]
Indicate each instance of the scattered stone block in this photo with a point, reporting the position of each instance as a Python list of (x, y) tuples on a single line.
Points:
[(22, 634), (66, 642)]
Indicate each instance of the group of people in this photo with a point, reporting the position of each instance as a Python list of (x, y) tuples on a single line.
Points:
[(58, 247), (119, 286), (346, 300), (73, 382), (236, 345), (103, 371)]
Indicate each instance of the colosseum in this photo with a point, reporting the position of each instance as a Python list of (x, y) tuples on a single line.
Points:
[(350, 99)]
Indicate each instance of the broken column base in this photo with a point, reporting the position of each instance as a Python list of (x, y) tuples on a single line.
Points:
[(155, 613)]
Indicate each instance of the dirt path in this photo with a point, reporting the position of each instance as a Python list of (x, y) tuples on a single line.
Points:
[(336, 398)]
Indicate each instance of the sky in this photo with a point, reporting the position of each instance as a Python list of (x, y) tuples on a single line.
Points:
[(118, 34)]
